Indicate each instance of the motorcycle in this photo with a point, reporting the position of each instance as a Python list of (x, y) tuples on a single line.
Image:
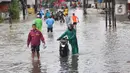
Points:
[(63, 48)]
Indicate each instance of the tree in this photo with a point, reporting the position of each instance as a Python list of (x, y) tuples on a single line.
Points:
[(1, 19), (14, 9), (23, 2)]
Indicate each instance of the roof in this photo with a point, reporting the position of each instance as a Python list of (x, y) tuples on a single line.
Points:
[(5, 1)]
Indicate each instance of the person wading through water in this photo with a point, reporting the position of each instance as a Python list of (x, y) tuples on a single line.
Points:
[(75, 20), (38, 22), (71, 34), (35, 37)]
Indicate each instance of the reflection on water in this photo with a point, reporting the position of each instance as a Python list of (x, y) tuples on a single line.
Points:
[(111, 40), (36, 66), (110, 29), (74, 64), (111, 49), (64, 63), (50, 35), (69, 67)]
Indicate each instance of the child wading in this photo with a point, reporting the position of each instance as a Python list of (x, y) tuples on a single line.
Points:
[(34, 37), (50, 22), (75, 20), (38, 22)]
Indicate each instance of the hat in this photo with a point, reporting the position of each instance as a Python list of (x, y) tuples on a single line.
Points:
[(70, 26)]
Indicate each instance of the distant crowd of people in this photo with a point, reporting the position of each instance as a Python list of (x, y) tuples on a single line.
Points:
[(35, 35)]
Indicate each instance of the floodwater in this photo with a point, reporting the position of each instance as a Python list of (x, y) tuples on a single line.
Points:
[(100, 51)]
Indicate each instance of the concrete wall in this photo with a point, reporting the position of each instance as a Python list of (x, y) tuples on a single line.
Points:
[(30, 2), (91, 1), (4, 0), (122, 17), (121, 1)]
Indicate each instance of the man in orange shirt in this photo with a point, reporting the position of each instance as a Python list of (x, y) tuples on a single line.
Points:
[(75, 20)]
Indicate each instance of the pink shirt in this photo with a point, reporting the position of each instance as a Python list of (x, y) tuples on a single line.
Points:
[(34, 37)]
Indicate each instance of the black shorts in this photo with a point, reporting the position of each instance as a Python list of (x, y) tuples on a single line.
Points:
[(35, 48), (50, 29), (75, 23)]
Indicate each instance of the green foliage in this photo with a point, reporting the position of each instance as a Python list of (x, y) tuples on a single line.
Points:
[(51, 1), (1, 19), (15, 9)]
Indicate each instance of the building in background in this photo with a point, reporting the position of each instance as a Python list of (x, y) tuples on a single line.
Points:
[(100, 4), (4, 5), (91, 1), (5, 1), (30, 2), (4, 8), (125, 2)]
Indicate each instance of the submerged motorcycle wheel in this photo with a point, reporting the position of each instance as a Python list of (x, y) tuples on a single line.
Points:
[(64, 53)]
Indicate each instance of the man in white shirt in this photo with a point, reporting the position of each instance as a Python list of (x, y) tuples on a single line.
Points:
[(68, 19)]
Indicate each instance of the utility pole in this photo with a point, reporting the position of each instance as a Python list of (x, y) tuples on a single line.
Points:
[(109, 4), (36, 6), (87, 6), (84, 6), (106, 9), (23, 2), (10, 14), (113, 14)]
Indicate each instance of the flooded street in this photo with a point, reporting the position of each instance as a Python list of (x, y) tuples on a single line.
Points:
[(100, 51)]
